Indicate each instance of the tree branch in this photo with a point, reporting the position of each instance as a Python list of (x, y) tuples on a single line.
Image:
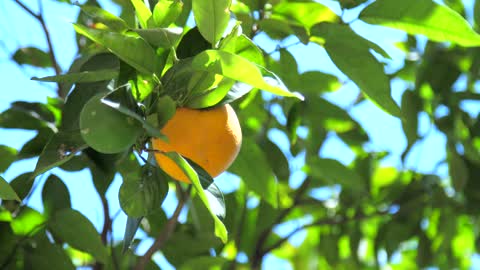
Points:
[(39, 17), (167, 230)]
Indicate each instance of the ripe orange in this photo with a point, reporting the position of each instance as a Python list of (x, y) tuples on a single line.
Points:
[(209, 137)]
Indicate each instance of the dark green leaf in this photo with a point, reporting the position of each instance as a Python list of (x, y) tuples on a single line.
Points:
[(7, 156), (211, 17), (350, 53), (132, 49), (457, 169), (130, 229), (294, 120), (61, 148), (261, 179), (203, 262), (22, 184), (6, 191), (75, 229), (43, 255), (280, 29), (121, 102), (144, 193), (436, 21), (32, 56), (55, 195), (316, 83), (276, 159), (35, 146), (105, 128), (237, 91), (411, 106), (81, 77), (333, 172), (192, 43)]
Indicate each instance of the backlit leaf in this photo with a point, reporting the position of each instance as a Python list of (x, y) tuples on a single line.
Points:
[(131, 49), (81, 77), (212, 18), (351, 55), (240, 69), (436, 21)]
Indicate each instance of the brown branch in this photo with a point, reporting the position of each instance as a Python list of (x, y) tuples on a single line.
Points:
[(167, 230), (39, 17)]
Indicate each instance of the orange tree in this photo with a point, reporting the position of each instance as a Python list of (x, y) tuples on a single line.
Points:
[(137, 71)]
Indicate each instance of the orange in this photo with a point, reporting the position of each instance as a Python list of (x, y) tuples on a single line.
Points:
[(209, 137)]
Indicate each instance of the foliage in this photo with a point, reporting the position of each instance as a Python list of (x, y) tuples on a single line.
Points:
[(132, 70)]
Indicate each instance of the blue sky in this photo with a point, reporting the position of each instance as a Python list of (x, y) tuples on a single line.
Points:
[(17, 29)]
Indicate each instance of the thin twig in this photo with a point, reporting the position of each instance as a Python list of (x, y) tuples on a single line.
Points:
[(166, 233), (39, 17)]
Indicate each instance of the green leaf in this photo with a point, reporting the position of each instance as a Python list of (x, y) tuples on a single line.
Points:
[(220, 230), (43, 255), (411, 106), (81, 77), (203, 262), (261, 180), (276, 159), (8, 156), (351, 55), (35, 146), (100, 15), (215, 197), (316, 83), (166, 12), (305, 13), (161, 37), (75, 229), (29, 115), (437, 22), (211, 17), (6, 191), (241, 45), (55, 195), (294, 120), (143, 13), (240, 69), (334, 172), (130, 229), (28, 222), (61, 148), (457, 170), (118, 100), (23, 184), (211, 97), (144, 193), (32, 56), (132, 49), (192, 43), (105, 128)]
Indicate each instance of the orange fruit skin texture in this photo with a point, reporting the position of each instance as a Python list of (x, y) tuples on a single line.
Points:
[(210, 137)]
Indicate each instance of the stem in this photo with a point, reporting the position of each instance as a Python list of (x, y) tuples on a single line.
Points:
[(167, 231), (39, 17)]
